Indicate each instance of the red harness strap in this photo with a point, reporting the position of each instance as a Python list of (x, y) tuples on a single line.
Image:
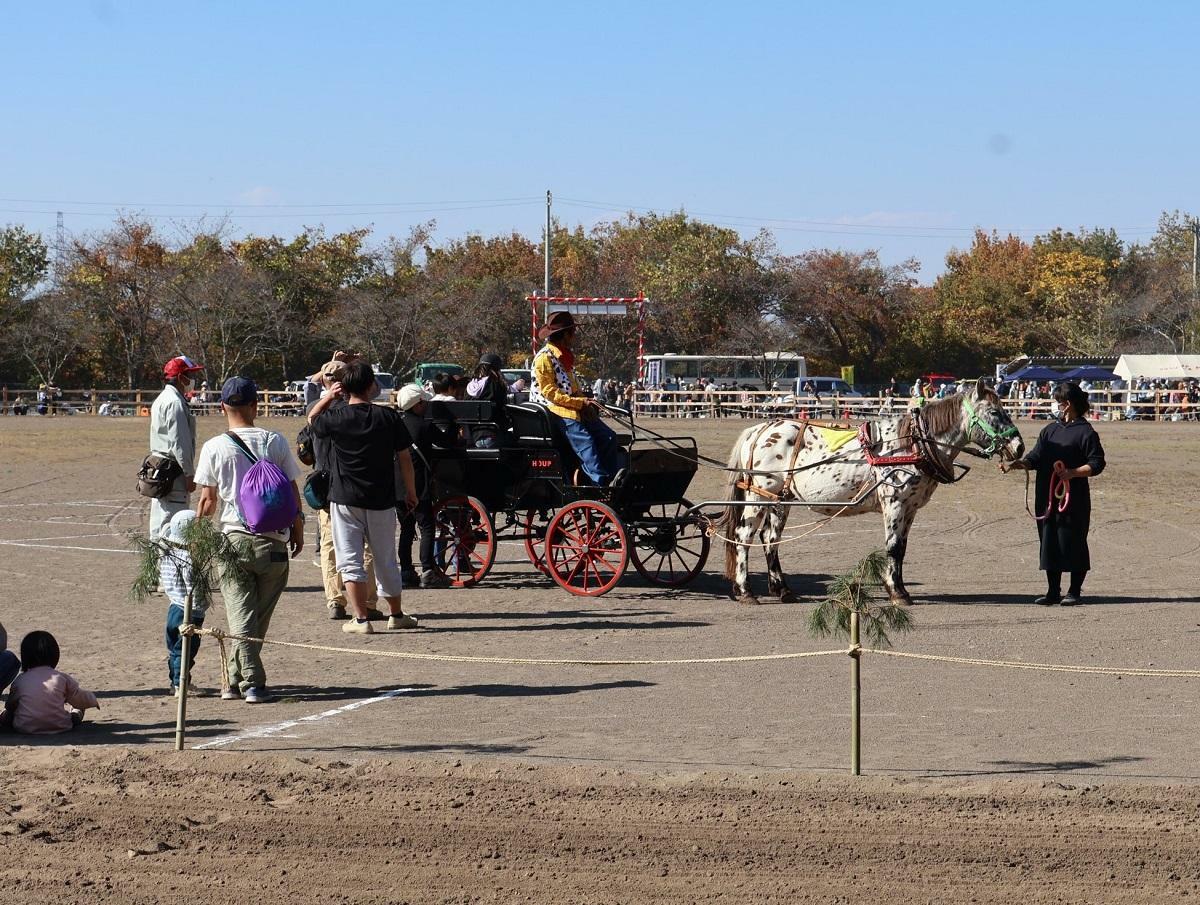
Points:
[(865, 441)]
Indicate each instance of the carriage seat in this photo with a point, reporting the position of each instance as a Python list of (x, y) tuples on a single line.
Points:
[(532, 426)]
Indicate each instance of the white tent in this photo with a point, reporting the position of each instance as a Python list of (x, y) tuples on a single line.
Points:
[(1155, 367)]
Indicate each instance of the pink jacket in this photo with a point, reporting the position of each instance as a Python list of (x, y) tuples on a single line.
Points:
[(40, 698)]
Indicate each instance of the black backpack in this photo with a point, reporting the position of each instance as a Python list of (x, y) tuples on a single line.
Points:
[(304, 446)]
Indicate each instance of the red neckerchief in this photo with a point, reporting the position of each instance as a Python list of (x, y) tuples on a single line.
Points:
[(567, 358)]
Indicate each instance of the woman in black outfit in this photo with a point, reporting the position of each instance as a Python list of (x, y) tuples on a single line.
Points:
[(1071, 448)]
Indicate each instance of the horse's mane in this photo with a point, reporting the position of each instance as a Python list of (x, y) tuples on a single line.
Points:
[(942, 415)]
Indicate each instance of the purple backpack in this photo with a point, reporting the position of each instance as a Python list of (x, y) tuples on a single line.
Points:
[(265, 497)]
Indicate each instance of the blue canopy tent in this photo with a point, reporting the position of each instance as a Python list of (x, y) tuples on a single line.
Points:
[(1034, 372), (1091, 372)]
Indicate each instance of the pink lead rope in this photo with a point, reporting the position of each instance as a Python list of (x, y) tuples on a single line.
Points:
[(1060, 492)]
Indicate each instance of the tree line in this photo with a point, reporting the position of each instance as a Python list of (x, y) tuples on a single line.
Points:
[(110, 307)]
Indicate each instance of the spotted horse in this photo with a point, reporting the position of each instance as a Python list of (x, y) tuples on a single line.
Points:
[(891, 466)]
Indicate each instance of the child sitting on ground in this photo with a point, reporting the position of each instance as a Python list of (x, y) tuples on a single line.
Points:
[(43, 700), (175, 576)]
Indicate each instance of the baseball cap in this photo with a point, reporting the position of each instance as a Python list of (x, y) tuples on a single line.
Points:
[(410, 395), (492, 360), (180, 365), (239, 391)]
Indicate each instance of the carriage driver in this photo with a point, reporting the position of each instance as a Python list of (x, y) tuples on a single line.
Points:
[(554, 386)]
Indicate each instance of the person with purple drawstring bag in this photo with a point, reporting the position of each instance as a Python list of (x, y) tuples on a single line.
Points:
[(247, 479)]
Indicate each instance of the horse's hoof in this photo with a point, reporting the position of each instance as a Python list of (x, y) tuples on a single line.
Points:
[(903, 602), (748, 600), (788, 596)]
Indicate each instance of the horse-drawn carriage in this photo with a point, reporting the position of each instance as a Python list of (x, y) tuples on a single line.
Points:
[(527, 489)]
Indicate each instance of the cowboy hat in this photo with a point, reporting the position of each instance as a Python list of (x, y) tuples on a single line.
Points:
[(557, 323)]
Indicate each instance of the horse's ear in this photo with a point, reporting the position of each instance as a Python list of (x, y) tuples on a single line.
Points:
[(981, 388)]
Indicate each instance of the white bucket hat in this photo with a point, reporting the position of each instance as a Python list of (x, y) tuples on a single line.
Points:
[(177, 531), (410, 394)]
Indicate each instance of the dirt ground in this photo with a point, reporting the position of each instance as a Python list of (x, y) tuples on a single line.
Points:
[(473, 782)]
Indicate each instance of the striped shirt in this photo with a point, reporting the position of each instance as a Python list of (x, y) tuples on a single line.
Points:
[(174, 574)]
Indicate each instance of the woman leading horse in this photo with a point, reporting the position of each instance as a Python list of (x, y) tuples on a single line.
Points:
[(1066, 455)]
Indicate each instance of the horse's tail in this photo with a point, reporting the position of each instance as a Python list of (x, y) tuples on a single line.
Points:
[(731, 518)]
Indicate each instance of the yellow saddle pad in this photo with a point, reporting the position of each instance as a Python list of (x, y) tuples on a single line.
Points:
[(835, 438)]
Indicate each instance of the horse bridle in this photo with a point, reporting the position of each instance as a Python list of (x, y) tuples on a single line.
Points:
[(999, 438)]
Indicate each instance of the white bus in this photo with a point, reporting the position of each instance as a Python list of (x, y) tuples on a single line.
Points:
[(756, 371)]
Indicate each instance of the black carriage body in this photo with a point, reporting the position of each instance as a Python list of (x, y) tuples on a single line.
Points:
[(530, 474)]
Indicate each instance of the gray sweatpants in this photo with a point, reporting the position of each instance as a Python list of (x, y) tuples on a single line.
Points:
[(353, 528)]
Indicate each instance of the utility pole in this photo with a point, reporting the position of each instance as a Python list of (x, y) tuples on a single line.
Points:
[(1195, 255), (546, 288), (59, 246)]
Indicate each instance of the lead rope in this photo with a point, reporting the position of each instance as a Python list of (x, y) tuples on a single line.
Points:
[(1058, 498)]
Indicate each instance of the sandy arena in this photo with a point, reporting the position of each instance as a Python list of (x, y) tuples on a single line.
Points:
[(383, 780)]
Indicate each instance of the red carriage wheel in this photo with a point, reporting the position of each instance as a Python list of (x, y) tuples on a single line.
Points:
[(535, 524), (464, 540), (587, 549), (668, 548)]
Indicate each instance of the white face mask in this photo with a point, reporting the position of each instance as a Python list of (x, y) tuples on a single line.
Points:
[(1055, 409)]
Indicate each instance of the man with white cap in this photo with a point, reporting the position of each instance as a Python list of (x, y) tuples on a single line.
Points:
[(173, 433), (426, 434)]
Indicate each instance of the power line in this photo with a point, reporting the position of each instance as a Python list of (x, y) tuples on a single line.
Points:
[(897, 230), (465, 204)]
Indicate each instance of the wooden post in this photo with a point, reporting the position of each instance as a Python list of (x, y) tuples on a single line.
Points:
[(185, 668), (855, 689)]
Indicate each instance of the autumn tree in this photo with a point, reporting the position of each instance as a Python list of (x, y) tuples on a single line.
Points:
[(984, 303), (846, 307), (222, 312), (390, 316), (477, 289), (52, 329), (306, 275), (121, 278)]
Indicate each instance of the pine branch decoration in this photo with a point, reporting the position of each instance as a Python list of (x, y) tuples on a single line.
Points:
[(858, 591), (211, 551)]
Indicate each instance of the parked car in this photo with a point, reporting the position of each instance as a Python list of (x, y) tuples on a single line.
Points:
[(512, 375), (427, 370)]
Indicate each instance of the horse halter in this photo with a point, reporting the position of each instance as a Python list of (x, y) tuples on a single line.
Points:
[(998, 437)]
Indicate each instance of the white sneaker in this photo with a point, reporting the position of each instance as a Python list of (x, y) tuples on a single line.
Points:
[(354, 627), (231, 694), (401, 621)]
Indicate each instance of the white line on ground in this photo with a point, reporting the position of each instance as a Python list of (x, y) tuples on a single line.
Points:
[(11, 543), (97, 503), (268, 731), (25, 540)]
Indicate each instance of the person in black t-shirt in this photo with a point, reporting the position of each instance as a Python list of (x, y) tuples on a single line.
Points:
[(367, 441)]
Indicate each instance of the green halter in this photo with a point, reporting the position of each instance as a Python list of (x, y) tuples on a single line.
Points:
[(998, 437)]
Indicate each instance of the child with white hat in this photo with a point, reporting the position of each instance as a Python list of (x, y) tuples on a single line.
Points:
[(175, 575)]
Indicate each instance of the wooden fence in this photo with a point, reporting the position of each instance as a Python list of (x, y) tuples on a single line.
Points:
[(1107, 405)]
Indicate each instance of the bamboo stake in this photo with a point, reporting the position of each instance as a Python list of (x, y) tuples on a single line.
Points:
[(185, 668), (855, 689)]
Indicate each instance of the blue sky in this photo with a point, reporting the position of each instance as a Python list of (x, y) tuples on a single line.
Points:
[(871, 125)]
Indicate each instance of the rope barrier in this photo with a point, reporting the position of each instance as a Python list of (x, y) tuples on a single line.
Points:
[(221, 636), (1044, 667), (853, 651)]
